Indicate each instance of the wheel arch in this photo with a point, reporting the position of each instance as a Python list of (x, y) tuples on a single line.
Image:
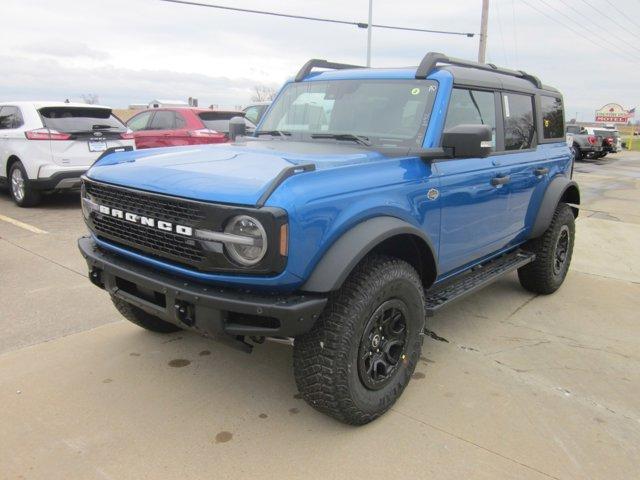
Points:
[(561, 189), (385, 235), (10, 161)]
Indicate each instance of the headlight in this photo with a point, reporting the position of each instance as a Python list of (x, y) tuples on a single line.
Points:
[(253, 248)]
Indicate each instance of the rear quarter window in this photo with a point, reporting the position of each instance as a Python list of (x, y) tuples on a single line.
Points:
[(552, 117), (78, 119), (10, 117)]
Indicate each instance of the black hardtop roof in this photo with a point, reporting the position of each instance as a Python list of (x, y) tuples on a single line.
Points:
[(465, 72), (495, 80)]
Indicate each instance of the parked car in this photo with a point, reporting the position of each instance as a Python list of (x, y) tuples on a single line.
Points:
[(368, 200), (582, 143), (611, 140), (255, 111), (171, 127), (47, 146)]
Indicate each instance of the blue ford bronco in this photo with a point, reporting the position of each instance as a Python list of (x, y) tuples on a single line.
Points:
[(365, 201)]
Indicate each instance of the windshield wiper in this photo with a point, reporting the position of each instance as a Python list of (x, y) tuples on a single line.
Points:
[(360, 139), (273, 133)]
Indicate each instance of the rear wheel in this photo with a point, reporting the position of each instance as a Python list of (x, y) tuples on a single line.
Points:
[(575, 150), (553, 254), (23, 195), (360, 354), (142, 318)]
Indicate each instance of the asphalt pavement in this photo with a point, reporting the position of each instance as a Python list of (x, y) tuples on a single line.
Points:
[(517, 386)]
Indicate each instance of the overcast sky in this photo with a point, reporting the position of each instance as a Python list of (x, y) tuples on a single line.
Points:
[(137, 50)]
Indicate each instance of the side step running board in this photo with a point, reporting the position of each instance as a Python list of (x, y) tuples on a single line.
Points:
[(474, 279)]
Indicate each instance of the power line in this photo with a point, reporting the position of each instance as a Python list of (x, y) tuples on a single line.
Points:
[(514, 30), (554, 19), (504, 51), (624, 15), (317, 19), (612, 19), (599, 37), (595, 24)]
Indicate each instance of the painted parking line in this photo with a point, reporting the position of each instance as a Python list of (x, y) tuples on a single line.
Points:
[(20, 224)]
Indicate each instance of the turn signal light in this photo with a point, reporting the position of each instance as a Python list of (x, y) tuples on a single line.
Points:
[(284, 239)]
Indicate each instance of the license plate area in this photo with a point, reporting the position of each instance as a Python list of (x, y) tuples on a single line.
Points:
[(97, 146)]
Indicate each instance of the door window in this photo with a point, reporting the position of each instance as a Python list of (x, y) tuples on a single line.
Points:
[(10, 117), (474, 107), (140, 121), (519, 126), (163, 120)]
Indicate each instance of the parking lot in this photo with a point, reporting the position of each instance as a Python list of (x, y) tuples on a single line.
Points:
[(512, 385)]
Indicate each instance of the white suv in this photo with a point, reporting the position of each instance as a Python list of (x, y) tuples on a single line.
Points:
[(46, 146)]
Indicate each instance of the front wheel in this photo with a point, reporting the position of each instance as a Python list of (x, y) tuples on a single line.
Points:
[(553, 254), (360, 355)]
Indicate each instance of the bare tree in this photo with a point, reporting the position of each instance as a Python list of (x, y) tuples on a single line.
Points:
[(262, 93), (90, 98)]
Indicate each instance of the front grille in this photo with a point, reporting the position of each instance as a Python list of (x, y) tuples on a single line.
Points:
[(169, 245), (158, 242), (168, 209)]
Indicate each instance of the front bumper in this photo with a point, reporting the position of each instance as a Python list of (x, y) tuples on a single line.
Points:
[(207, 309)]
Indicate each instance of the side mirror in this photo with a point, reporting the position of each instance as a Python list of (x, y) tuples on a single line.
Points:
[(468, 141), (237, 128)]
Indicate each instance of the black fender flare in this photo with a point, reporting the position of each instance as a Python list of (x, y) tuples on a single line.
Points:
[(560, 189), (346, 252)]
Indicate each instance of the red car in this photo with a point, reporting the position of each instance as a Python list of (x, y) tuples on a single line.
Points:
[(172, 127)]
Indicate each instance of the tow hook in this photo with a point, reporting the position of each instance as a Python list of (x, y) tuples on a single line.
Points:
[(95, 275), (185, 312)]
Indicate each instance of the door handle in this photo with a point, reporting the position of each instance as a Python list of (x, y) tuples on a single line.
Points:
[(541, 171), (500, 180)]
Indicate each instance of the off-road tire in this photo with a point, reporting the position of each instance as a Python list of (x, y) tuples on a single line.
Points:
[(325, 360), (30, 197), (540, 276), (142, 318), (577, 154)]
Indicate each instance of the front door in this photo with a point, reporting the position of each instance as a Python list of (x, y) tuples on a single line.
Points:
[(474, 191)]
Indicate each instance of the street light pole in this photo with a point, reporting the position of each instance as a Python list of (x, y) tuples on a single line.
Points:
[(369, 33), (482, 50)]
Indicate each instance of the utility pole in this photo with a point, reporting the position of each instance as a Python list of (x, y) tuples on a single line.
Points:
[(483, 31), (369, 33)]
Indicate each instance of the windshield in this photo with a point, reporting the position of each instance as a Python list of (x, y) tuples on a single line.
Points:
[(382, 112)]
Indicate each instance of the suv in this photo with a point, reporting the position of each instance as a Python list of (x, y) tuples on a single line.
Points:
[(47, 146), (367, 200), (171, 127)]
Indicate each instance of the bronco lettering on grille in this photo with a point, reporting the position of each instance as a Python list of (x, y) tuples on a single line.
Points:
[(146, 221)]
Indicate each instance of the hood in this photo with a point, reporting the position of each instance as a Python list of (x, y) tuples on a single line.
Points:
[(230, 173)]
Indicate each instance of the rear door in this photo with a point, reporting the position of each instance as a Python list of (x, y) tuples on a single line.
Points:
[(474, 191), (161, 129), (523, 160), (89, 132)]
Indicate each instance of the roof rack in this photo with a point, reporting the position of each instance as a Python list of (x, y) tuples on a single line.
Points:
[(318, 63), (431, 59)]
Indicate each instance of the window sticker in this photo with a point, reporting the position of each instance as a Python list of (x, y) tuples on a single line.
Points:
[(507, 114), (415, 91)]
